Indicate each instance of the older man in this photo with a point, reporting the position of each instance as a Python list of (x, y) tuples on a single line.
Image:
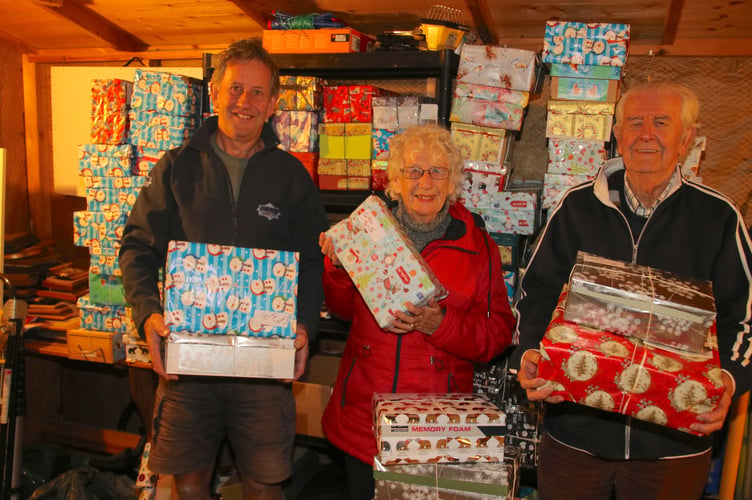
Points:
[(638, 209), (229, 185)]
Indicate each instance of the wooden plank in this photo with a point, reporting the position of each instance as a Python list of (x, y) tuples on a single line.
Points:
[(85, 437), (39, 175)]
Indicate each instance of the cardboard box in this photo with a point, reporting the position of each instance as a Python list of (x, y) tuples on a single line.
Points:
[(495, 66), (228, 290), (312, 393), (316, 41), (230, 356), (584, 89), (624, 375), (381, 261), (579, 120), (428, 428), (640, 302), (95, 345), (461, 481)]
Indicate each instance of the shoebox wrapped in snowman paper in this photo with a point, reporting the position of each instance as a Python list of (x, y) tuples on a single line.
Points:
[(625, 375), (428, 428), (382, 262), (231, 311), (449, 481), (639, 301)]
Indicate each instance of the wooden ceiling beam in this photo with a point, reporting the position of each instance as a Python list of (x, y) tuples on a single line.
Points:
[(97, 25), (257, 11), (672, 22), (482, 19)]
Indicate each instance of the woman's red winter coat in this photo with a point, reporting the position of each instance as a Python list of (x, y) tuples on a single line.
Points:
[(477, 326)]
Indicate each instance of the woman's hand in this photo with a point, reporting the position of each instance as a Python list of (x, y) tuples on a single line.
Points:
[(426, 319), (327, 248)]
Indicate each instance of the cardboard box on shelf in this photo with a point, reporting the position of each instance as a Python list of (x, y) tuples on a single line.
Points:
[(95, 345)]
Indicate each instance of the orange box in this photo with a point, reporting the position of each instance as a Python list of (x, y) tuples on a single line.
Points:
[(310, 161), (325, 40)]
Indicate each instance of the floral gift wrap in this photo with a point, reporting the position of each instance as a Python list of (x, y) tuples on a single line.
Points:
[(460, 481), (624, 375), (226, 290), (572, 156), (642, 302), (429, 428), (381, 261)]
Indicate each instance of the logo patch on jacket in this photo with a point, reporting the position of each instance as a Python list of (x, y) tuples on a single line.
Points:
[(269, 211)]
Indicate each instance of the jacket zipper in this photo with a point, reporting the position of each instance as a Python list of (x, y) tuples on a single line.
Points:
[(365, 352), (397, 352)]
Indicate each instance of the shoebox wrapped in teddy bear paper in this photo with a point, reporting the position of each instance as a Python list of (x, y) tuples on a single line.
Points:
[(230, 310), (426, 428), (450, 481), (640, 301), (382, 262), (625, 375)]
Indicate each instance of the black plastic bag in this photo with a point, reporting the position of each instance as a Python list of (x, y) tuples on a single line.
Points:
[(87, 483)]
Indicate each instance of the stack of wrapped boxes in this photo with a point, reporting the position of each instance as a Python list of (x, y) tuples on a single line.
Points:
[(491, 95), (107, 167), (296, 119), (586, 62), (442, 446), (641, 340), (391, 114), (345, 137)]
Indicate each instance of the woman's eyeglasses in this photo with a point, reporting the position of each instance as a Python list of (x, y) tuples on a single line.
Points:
[(434, 172)]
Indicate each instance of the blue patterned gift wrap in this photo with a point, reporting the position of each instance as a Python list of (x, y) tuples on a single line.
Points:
[(227, 290), (104, 317), (603, 44)]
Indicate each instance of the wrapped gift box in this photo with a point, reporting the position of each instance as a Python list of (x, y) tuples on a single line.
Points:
[(481, 180), (104, 317), (381, 143), (300, 93), (579, 120), (331, 140), (480, 143), (344, 182), (427, 428), (146, 158), (358, 139), (381, 261), (106, 289), (465, 91), (522, 222), (350, 103), (604, 44), (385, 113), (230, 356), (502, 67), (110, 100), (310, 161), (487, 114), (584, 89), (106, 262), (359, 168), (297, 130), (95, 345), (332, 166), (575, 157), (640, 301), (102, 199), (136, 350), (555, 185), (99, 229), (105, 160), (227, 290), (160, 130), (379, 177), (586, 71), (408, 111), (623, 375), (461, 481), (167, 93), (97, 182)]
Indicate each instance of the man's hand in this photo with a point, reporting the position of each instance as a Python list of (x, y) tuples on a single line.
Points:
[(713, 420), (155, 331), (534, 386), (301, 350)]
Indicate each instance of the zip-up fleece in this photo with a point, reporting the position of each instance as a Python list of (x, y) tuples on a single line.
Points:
[(477, 326), (190, 198), (695, 232)]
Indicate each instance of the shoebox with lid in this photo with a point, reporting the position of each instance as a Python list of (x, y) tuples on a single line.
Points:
[(230, 310), (95, 345), (317, 41)]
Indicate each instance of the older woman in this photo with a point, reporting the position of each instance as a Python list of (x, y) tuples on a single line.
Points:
[(432, 348)]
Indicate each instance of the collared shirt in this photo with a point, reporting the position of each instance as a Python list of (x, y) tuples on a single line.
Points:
[(636, 205)]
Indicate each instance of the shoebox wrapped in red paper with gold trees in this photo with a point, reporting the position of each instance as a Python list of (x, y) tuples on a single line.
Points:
[(626, 375)]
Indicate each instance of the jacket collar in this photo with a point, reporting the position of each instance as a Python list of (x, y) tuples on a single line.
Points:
[(201, 140), (611, 198)]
